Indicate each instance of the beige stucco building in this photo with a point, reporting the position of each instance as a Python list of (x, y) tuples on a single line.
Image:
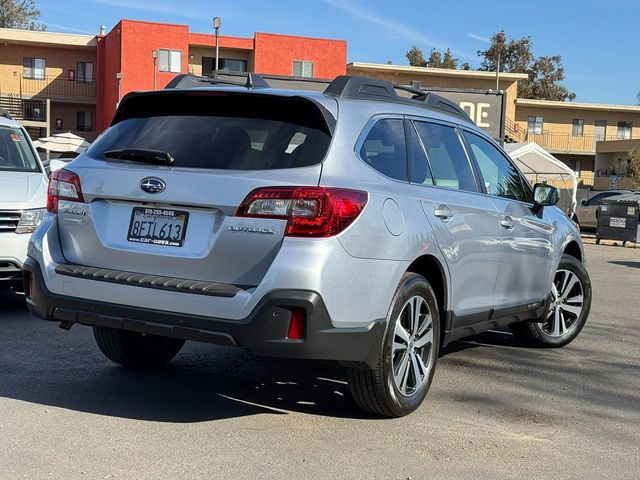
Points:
[(47, 81)]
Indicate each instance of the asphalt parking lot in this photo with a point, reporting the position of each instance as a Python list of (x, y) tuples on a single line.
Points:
[(495, 410)]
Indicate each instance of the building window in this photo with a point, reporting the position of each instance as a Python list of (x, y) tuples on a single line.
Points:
[(170, 60), (224, 64), (302, 68), (33, 68), (624, 130), (577, 130), (84, 72), (84, 121), (535, 125)]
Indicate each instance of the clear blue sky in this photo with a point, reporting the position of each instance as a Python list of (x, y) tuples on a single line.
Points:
[(597, 39)]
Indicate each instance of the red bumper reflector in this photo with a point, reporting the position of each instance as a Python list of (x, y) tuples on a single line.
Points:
[(296, 325)]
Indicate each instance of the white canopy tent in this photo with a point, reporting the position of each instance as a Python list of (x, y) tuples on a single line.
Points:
[(62, 143), (539, 166)]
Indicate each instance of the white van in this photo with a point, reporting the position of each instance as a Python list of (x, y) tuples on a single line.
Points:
[(23, 198)]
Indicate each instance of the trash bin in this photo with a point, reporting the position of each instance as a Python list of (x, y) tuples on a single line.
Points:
[(619, 219)]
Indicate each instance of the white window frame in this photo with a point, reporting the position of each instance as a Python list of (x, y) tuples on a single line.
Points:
[(34, 72), (537, 121), (577, 127), (625, 130), (173, 64), (304, 65), (87, 72), (87, 115)]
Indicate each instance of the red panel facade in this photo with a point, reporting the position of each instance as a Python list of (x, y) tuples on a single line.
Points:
[(209, 40), (108, 66), (274, 54), (128, 49)]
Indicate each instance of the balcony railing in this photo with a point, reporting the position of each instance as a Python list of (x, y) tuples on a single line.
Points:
[(567, 143), (34, 110), (31, 110), (57, 87)]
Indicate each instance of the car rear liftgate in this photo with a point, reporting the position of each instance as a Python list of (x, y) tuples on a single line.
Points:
[(158, 192)]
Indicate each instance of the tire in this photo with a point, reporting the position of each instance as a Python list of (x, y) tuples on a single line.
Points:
[(136, 350), (566, 317), (377, 390)]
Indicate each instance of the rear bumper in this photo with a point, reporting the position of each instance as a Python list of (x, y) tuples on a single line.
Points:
[(263, 332)]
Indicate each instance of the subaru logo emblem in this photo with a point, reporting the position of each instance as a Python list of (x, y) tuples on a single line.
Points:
[(152, 185)]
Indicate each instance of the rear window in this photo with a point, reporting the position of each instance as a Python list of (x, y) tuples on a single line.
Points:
[(221, 131)]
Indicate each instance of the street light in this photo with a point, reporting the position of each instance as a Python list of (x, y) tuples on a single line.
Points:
[(217, 22), (499, 46)]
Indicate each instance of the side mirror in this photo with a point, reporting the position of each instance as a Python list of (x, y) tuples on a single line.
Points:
[(583, 202), (545, 195)]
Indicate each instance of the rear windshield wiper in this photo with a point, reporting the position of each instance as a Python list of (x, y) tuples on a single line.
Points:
[(142, 155)]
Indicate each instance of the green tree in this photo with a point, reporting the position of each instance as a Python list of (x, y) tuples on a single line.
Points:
[(415, 57), (20, 14), (449, 61), (435, 59), (546, 73), (633, 168)]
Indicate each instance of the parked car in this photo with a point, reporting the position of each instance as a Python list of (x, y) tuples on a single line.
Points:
[(353, 225), (587, 211), (23, 196)]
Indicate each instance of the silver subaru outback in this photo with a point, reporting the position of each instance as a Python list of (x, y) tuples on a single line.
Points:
[(368, 225)]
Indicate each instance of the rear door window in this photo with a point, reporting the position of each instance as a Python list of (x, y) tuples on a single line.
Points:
[(384, 148), (447, 158)]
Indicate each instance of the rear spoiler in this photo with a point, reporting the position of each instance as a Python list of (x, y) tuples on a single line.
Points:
[(299, 109)]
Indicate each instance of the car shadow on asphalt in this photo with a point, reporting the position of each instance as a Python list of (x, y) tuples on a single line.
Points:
[(42, 364), (625, 263)]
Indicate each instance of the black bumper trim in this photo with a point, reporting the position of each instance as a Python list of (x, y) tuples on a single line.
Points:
[(149, 281), (263, 332)]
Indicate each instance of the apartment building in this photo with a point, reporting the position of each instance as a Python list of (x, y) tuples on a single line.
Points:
[(47, 81), (574, 133), (57, 82)]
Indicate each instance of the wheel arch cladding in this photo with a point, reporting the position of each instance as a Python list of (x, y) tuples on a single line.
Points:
[(573, 249), (431, 269)]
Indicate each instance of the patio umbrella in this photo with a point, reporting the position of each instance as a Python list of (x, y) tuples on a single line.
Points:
[(62, 143)]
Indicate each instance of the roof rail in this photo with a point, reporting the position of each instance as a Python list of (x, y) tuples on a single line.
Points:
[(356, 87), (189, 80), (5, 114)]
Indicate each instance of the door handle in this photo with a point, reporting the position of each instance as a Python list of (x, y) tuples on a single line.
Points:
[(507, 223), (443, 213)]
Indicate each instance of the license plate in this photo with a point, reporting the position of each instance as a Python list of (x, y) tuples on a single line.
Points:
[(618, 222), (158, 226)]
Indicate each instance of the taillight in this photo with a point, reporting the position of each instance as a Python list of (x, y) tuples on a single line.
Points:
[(63, 185), (311, 211)]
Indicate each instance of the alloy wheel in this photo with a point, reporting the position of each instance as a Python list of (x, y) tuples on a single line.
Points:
[(412, 346), (566, 304)]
